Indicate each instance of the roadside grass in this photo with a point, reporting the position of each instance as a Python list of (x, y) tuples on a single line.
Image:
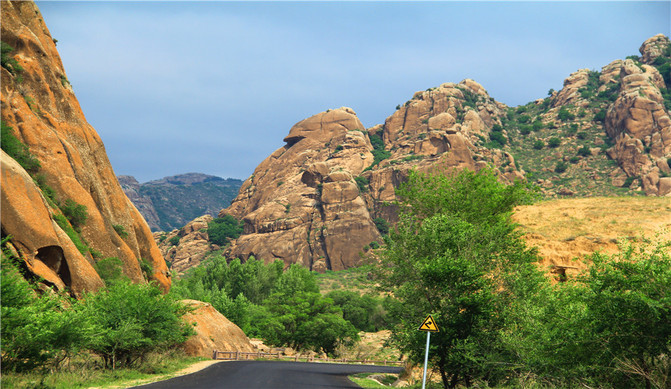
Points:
[(85, 372), (353, 279), (373, 380)]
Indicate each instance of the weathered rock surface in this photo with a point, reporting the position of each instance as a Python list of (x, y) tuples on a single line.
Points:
[(302, 204), (45, 115), (213, 332), (653, 48), (640, 125), (192, 247), (314, 200)]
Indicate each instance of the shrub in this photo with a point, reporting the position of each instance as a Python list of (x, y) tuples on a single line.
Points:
[(76, 213), (554, 142), (629, 181), (17, 150), (174, 241), (600, 116), (539, 144), (584, 151), (582, 135), (374, 245), (221, 230), (382, 225), (525, 129), (7, 61), (537, 125), (362, 183), (338, 148), (574, 159), (133, 320), (121, 230), (147, 268), (565, 115), (379, 153), (524, 119), (62, 222), (498, 137), (560, 167), (110, 270)]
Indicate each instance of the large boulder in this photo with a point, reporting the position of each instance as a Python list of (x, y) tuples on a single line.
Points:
[(213, 332)]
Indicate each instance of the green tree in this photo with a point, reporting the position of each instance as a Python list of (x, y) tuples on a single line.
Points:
[(221, 230), (456, 254), (133, 320)]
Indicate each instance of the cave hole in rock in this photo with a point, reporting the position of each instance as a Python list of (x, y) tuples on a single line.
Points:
[(53, 257)]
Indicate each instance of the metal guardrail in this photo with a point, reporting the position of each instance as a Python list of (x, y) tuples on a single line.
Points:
[(239, 355)]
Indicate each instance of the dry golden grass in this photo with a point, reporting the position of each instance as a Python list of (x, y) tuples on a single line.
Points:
[(574, 228)]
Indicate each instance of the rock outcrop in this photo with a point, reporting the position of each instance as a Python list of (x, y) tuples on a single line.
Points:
[(213, 332), (302, 204), (316, 201), (188, 246), (42, 110)]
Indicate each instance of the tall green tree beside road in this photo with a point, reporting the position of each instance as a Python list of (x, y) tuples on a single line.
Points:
[(455, 254)]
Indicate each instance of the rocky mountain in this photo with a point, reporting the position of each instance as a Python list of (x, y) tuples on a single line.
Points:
[(171, 202), (188, 246), (63, 209), (323, 198)]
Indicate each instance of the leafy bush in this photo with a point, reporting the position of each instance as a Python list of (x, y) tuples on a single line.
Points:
[(560, 167), (379, 153), (174, 241), (524, 119), (110, 270), (600, 116), (565, 115), (539, 144), (584, 151), (525, 129), (366, 312), (574, 159), (629, 181), (121, 230), (362, 183), (221, 230), (134, 320), (498, 138), (7, 61), (554, 142), (382, 225), (36, 330), (17, 150), (537, 125), (76, 213)]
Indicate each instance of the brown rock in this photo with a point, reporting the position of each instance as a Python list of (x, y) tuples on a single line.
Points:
[(665, 186), (299, 201), (653, 48), (193, 246), (72, 156), (213, 332)]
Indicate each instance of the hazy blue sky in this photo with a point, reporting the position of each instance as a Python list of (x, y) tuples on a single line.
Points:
[(214, 87)]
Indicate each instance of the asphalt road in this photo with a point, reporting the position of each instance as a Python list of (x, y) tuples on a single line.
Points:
[(270, 375)]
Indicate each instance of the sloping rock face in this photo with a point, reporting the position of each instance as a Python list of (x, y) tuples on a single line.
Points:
[(44, 113), (316, 200), (438, 130), (302, 204), (144, 205), (213, 332), (188, 246)]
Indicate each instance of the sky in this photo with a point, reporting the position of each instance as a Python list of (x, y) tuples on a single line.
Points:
[(213, 87)]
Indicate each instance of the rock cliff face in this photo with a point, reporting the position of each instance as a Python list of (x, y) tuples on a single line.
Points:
[(171, 202), (302, 204), (40, 107), (316, 200), (188, 246)]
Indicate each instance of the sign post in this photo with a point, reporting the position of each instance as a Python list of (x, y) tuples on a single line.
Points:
[(428, 325)]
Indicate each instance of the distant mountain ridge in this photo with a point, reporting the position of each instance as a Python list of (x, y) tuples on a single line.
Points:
[(171, 202)]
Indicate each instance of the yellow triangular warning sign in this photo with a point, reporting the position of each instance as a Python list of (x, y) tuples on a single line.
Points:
[(429, 325)]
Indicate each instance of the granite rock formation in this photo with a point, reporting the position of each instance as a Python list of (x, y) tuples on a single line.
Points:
[(39, 105)]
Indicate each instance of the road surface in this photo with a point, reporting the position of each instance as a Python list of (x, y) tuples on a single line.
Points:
[(270, 375)]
